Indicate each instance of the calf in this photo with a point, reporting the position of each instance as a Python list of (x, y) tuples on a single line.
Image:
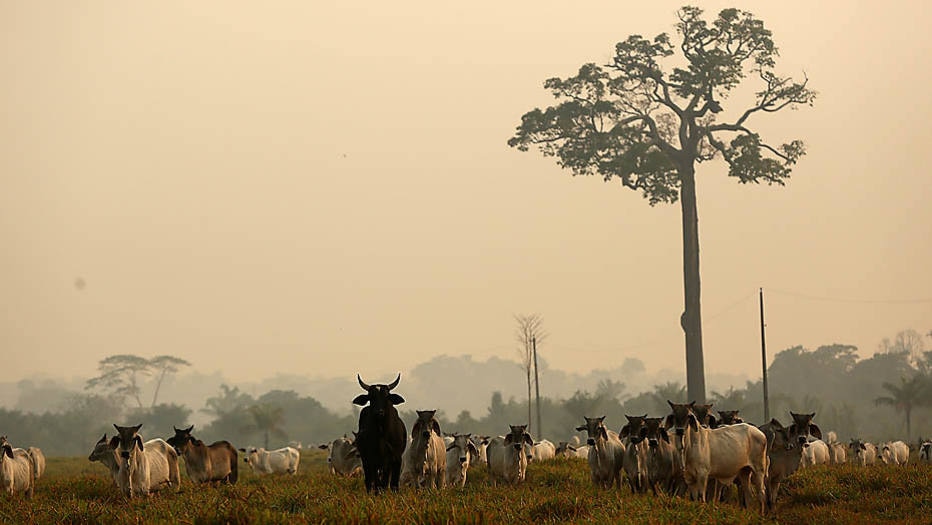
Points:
[(343, 458), (606, 453), (663, 470), (425, 459), (506, 457), (206, 463), (784, 458), (382, 435), (815, 452), (864, 453), (635, 460), (894, 453), (460, 454), (279, 461), (723, 454), (17, 471)]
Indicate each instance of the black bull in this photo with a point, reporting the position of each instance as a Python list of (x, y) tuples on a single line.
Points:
[(382, 435)]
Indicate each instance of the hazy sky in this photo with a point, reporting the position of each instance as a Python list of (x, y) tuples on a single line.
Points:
[(325, 188)]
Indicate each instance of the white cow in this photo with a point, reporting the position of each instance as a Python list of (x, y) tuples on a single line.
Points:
[(895, 453), (424, 461), (506, 457), (606, 453), (636, 452), (160, 457), (280, 461), (864, 453), (481, 443), (38, 459), (724, 454), (343, 457), (143, 467), (17, 471), (925, 452), (815, 452), (460, 453), (543, 450)]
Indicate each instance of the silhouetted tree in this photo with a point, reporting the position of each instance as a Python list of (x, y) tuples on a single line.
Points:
[(162, 365), (909, 394), (119, 374), (647, 126), (529, 332), (268, 420)]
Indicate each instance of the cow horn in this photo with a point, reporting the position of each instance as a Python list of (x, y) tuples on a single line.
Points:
[(363, 385), (394, 383)]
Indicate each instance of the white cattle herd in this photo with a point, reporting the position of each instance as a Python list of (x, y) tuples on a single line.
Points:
[(687, 453)]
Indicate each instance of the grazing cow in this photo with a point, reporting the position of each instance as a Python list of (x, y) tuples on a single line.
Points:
[(279, 461), (343, 457), (663, 470), (635, 460), (815, 452), (723, 454), (543, 450), (382, 435), (606, 453), (864, 453), (17, 470), (784, 458), (425, 458), (729, 417), (206, 463), (895, 453), (506, 456), (460, 454), (565, 449), (925, 452)]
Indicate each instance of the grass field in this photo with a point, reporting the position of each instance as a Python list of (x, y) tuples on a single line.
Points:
[(74, 490)]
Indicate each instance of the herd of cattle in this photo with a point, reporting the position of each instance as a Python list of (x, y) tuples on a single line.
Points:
[(688, 452)]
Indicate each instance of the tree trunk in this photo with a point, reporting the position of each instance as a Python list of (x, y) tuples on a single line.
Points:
[(909, 433), (691, 321)]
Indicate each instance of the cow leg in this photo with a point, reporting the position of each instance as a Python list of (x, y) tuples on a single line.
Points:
[(395, 474)]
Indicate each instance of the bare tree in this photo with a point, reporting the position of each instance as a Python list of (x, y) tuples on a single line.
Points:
[(164, 365), (529, 333)]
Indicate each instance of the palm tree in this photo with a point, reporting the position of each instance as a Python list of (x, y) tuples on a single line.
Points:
[(268, 419), (909, 394)]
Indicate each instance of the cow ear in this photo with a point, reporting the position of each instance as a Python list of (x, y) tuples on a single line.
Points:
[(138, 441), (114, 442), (435, 426), (571, 447), (508, 439), (528, 440), (664, 435), (244, 450), (815, 430), (451, 447), (625, 431), (603, 433), (396, 399), (472, 448), (8, 450), (668, 421), (713, 423), (361, 400), (103, 439), (580, 428)]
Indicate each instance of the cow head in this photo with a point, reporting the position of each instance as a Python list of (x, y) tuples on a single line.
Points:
[(181, 439), (126, 441), (100, 448), (632, 430), (463, 443), (704, 415), (681, 418), (803, 428), (594, 428), (654, 432), (925, 451), (425, 424), (778, 437), (6, 449), (518, 437), (565, 449), (378, 397), (729, 417), (249, 453)]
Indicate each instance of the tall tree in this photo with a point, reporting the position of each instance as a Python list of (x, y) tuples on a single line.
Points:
[(269, 420), (909, 394), (163, 365), (647, 126), (529, 333), (120, 374)]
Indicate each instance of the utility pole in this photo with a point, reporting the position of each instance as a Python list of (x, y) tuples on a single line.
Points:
[(537, 388), (763, 358)]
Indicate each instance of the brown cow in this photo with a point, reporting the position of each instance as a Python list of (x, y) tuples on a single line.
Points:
[(217, 462), (784, 454)]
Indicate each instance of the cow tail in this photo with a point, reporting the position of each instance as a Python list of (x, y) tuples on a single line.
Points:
[(234, 468)]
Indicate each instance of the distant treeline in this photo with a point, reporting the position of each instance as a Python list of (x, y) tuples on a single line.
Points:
[(866, 398)]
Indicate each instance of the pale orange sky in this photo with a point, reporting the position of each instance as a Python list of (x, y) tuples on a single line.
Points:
[(325, 189)]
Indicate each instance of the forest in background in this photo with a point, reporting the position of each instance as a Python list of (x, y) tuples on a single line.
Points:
[(872, 398)]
